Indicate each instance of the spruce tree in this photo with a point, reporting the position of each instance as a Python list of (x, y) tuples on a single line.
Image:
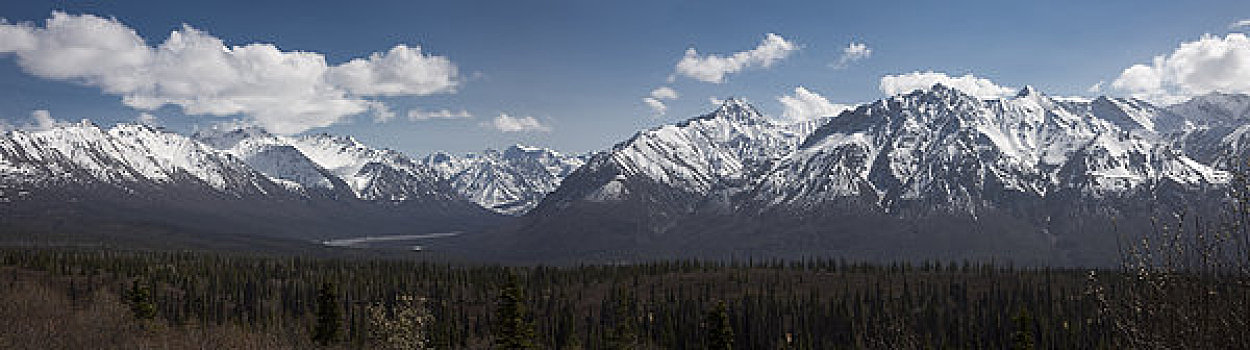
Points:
[(1022, 338), (329, 317), (625, 334), (720, 334), (140, 300), (513, 330)]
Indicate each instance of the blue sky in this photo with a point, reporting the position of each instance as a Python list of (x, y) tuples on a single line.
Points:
[(582, 68)]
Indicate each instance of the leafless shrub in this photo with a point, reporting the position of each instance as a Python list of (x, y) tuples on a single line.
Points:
[(1186, 285), (402, 325)]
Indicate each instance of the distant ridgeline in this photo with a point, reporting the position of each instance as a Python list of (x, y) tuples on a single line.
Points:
[(932, 174)]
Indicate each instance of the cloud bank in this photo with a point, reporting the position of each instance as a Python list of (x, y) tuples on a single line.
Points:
[(507, 123), (1210, 64), (852, 53), (969, 84), (283, 91), (807, 105), (418, 115), (713, 68), (655, 101)]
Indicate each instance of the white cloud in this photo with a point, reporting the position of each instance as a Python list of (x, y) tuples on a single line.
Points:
[(969, 84), (655, 101), (658, 107), (381, 112), (664, 92), (43, 120), (713, 68), (1207, 65), (715, 101), (1240, 24), (507, 123), (1096, 88), (283, 91), (401, 71), (853, 52), (807, 105), (146, 118), (418, 115)]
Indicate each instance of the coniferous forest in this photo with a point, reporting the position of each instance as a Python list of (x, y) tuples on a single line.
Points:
[(297, 302)]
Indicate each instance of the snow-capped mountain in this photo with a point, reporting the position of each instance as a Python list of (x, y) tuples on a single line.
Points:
[(81, 178), (679, 167), (128, 158), (273, 156), (1216, 128), (932, 171), (509, 182), (327, 163), (935, 173), (946, 149)]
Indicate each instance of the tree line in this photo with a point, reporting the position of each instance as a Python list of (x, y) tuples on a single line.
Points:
[(687, 304)]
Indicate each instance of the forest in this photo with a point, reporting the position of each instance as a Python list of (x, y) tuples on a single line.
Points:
[(1174, 291)]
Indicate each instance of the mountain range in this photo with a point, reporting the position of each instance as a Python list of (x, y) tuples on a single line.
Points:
[(931, 174)]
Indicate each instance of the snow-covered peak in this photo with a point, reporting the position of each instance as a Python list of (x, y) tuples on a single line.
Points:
[(736, 110), (703, 157), (1027, 91), (1133, 114), (509, 182), (1215, 109), (945, 146), (126, 155), (229, 136)]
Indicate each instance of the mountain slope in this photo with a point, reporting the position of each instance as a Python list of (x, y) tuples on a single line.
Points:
[(81, 179), (1216, 128), (676, 168), (941, 148), (935, 173), (510, 182)]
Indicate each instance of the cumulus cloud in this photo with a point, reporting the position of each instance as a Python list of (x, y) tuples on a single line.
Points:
[(658, 107), (1240, 24), (507, 123), (401, 71), (853, 52), (1096, 88), (1209, 64), (418, 115), (664, 92), (655, 101), (807, 105), (41, 119), (282, 91), (713, 68), (969, 84), (146, 118)]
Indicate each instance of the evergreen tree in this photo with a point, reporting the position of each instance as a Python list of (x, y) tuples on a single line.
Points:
[(140, 300), (514, 330), (720, 334), (625, 334), (1022, 338), (329, 327)]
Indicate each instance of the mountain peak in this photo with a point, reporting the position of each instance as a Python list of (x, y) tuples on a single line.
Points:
[(228, 135), (935, 90), (736, 109), (1028, 90)]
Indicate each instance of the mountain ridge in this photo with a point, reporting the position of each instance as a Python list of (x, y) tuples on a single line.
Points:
[(932, 173)]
